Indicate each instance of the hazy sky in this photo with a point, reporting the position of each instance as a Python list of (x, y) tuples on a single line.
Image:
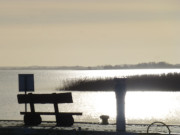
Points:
[(88, 32)]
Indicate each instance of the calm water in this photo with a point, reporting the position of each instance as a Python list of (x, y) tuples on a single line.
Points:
[(141, 107)]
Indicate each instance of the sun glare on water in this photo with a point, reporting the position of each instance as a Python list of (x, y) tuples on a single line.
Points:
[(106, 104), (147, 105), (139, 105)]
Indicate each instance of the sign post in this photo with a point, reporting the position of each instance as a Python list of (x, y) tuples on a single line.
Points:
[(26, 83)]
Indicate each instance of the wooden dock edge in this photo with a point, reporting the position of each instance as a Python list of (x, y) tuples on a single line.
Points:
[(30, 131)]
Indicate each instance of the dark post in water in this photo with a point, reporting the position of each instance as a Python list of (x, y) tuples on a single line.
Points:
[(120, 90)]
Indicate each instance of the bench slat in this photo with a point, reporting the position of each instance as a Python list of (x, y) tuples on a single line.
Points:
[(52, 113), (45, 98)]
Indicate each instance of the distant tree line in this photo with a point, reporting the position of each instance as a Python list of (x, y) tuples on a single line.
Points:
[(150, 65)]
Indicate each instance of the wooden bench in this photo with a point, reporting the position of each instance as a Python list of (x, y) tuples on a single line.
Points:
[(33, 118)]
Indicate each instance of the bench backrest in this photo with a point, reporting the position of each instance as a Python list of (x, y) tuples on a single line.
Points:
[(45, 98)]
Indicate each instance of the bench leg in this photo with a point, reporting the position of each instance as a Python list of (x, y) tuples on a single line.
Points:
[(32, 119), (64, 120)]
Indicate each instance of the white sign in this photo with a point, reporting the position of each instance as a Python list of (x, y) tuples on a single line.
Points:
[(26, 82)]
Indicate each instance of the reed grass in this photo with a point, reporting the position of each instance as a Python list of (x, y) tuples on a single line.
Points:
[(162, 82)]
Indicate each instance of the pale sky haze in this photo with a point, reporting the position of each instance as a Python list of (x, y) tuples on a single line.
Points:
[(88, 32)]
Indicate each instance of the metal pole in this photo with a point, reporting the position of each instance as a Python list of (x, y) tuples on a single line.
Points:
[(25, 83), (120, 90)]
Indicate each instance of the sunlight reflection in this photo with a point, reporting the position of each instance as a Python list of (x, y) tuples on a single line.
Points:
[(139, 105), (147, 105), (106, 104), (119, 73)]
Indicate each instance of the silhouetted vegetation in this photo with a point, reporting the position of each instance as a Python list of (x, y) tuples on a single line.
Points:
[(163, 82), (89, 84)]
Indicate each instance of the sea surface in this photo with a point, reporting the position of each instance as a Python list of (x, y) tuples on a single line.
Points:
[(141, 107)]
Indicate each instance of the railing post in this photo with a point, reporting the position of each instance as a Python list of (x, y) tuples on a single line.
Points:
[(120, 90)]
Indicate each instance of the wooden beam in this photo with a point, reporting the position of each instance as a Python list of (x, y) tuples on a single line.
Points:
[(45, 98), (120, 90)]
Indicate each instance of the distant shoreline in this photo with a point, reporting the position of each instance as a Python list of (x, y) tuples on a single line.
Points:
[(150, 65)]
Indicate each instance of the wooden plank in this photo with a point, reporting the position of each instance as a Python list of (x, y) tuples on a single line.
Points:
[(51, 113), (45, 98)]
